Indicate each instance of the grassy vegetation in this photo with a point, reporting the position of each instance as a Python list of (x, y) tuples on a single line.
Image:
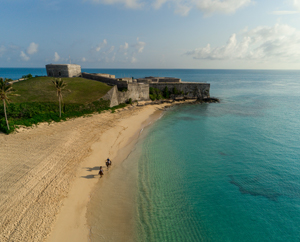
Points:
[(35, 100), (41, 89), (156, 94)]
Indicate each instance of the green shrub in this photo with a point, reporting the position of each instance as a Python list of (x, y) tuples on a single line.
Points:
[(159, 96), (31, 113), (122, 89), (175, 91), (27, 76), (166, 93), (155, 94), (121, 105), (152, 97)]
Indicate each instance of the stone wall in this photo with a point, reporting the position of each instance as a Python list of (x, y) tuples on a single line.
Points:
[(100, 78), (139, 91), (190, 89), (151, 79), (169, 79), (74, 70), (123, 84), (136, 91), (128, 79), (104, 75), (63, 70)]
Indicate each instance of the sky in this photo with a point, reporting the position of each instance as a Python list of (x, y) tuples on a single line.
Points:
[(194, 34)]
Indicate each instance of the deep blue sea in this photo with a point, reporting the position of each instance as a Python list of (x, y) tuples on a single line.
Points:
[(226, 171)]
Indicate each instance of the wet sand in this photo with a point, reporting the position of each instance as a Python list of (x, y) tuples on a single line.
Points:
[(112, 210)]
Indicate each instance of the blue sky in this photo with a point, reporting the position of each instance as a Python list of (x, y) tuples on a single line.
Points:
[(227, 34)]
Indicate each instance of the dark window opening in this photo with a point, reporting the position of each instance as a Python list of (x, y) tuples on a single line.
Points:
[(59, 73)]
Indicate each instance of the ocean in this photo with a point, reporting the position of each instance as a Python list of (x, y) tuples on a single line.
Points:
[(227, 171)]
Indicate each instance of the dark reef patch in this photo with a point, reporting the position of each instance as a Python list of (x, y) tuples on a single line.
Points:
[(254, 187), (222, 153)]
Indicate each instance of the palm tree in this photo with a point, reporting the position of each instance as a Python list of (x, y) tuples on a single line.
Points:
[(59, 84), (5, 88)]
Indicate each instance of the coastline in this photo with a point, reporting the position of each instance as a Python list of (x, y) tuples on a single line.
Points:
[(47, 172), (116, 143)]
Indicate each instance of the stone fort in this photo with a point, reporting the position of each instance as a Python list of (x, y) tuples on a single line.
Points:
[(61, 70), (134, 89)]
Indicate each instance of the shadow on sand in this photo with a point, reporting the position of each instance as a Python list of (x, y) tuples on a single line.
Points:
[(95, 168), (89, 176)]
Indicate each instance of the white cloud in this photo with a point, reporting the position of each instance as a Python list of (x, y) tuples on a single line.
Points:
[(128, 3), (296, 4), (83, 59), (183, 7), (24, 56), (133, 59), (219, 6), (276, 43), (125, 53), (139, 45), (101, 45), (32, 48), (208, 7), (110, 50), (124, 47), (56, 57), (158, 3)]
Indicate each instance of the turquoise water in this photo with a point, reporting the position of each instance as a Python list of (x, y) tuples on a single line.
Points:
[(228, 171), (219, 172)]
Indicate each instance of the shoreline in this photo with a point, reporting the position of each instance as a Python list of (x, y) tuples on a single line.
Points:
[(46, 171), (71, 224)]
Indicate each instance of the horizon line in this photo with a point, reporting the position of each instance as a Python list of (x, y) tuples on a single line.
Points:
[(122, 68)]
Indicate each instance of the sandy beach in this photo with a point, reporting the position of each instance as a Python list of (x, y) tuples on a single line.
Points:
[(47, 172)]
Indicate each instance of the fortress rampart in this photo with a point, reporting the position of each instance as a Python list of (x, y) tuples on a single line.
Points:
[(137, 92), (111, 80), (151, 79), (63, 70), (188, 90), (137, 89), (101, 78)]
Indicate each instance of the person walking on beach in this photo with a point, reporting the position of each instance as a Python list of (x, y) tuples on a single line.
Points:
[(101, 172), (108, 163)]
